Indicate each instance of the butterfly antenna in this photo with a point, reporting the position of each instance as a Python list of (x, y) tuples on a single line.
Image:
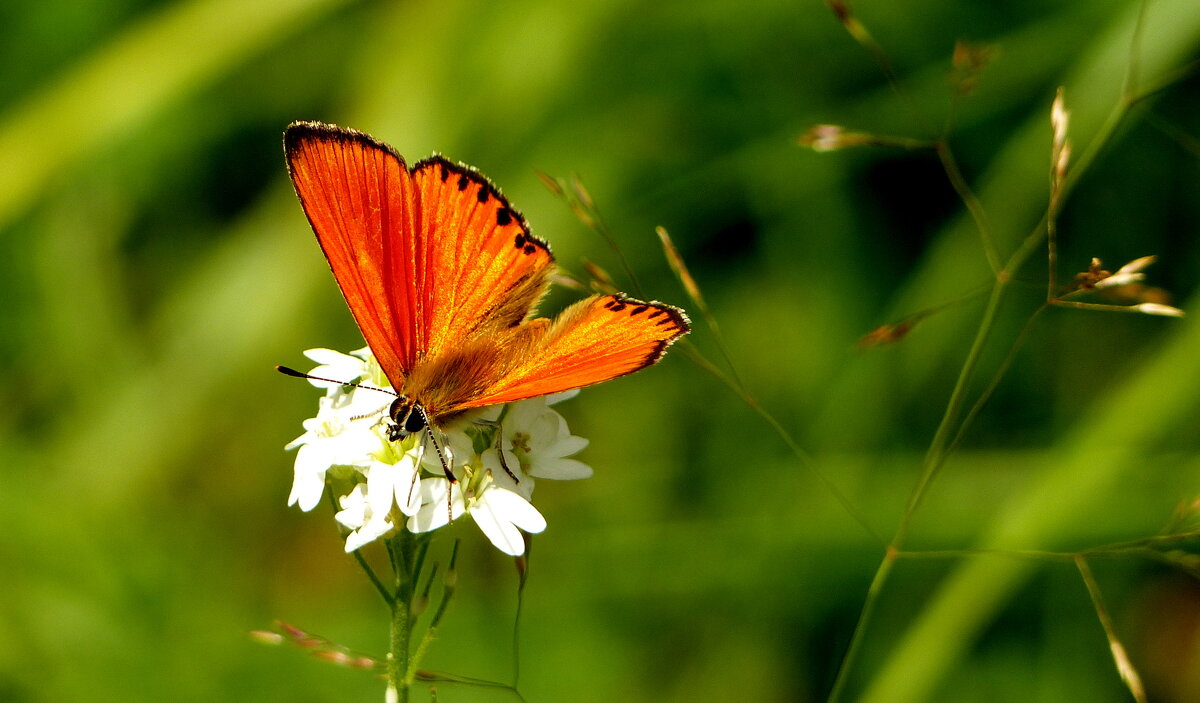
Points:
[(300, 374)]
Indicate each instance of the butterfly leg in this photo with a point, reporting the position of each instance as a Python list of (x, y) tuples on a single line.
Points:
[(500, 452), (431, 433)]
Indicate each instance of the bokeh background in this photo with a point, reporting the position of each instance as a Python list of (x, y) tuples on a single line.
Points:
[(157, 266)]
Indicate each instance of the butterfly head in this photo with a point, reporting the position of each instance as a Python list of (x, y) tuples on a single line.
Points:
[(408, 417)]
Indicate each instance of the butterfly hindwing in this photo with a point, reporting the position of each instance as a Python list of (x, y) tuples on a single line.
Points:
[(594, 340)]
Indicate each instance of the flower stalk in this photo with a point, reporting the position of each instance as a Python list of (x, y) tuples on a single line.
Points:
[(402, 548)]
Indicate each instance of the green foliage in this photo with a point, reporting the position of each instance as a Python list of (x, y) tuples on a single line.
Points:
[(158, 266)]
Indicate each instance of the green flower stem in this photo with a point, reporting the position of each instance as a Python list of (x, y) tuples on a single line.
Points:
[(403, 549), (398, 654), (427, 639), (383, 591)]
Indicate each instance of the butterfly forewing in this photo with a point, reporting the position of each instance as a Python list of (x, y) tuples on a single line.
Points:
[(359, 196), (482, 271)]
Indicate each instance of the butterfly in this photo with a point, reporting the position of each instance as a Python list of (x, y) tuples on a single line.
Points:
[(442, 276)]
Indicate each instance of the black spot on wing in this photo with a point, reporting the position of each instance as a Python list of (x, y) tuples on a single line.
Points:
[(670, 314), (505, 213)]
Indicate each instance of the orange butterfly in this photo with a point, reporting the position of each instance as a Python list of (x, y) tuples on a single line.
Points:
[(442, 276)]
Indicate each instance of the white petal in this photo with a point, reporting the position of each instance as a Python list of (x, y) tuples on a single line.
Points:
[(354, 447), (301, 440), (433, 513), (338, 368), (501, 533), (1136, 265), (545, 429), (566, 446), (1120, 279), (522, 484), (522, 414), (354, 508), (491, 413), (329, 357), (308, 482), (511, 507), (368, 533), (554, 398), (381, 487), (406, 486), (561, 469), (1159, 309)]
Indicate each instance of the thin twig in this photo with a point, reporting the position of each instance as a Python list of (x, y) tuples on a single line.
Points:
[(860, 627), (1125, 667), (1001, 371), (797, 451), (974, 206), (936, 455)]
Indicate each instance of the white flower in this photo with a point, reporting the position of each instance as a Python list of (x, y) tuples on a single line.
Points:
[(497, 511), (332, 438), (367, 509), (538, 442), (495, 457), (357, 514)]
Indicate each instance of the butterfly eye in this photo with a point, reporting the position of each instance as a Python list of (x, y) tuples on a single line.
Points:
[(415, 422)]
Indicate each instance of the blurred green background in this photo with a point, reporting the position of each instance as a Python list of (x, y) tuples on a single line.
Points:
[(157, 266)]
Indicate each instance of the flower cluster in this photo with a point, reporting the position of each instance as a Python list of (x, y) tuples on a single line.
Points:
[(383, 485)]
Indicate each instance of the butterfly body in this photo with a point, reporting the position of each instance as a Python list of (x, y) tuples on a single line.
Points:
[(442, 276)]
